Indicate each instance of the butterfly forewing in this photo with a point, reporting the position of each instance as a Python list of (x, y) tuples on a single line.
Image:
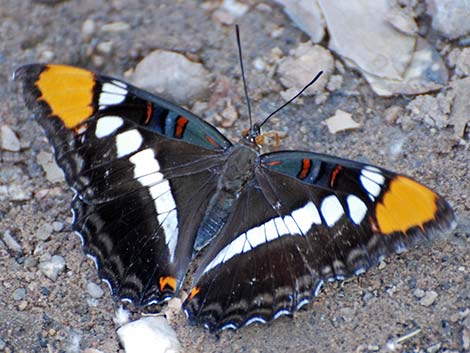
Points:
[(138, 165)]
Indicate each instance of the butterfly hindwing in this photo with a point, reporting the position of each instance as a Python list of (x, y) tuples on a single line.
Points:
[(136, 163), (311, 218)]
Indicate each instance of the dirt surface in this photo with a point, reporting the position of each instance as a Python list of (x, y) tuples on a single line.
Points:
[(364, 314)]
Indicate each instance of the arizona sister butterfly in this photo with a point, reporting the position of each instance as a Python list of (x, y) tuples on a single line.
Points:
[(154, 184)]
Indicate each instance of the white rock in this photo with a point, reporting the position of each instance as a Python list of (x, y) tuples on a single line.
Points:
[(149, 335), (53, 173), (429, 298), (307, 16), (10, 141), (44, 232), (459, 116), (94, 290), (450, 17), (462, 64), (394, 61), (11, 242), (301, 66), (116, 27), (235, 8), (88, 29), (51, 268), (402, 20), (359, 33), (341, 121), (172, 75), (426, 72)]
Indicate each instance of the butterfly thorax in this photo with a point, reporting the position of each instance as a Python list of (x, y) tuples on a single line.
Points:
[(237, 171)]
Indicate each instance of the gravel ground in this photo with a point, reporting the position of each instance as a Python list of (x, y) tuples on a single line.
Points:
[(426, 288)]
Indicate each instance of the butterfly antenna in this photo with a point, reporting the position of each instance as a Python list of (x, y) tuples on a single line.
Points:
[(237, 30), (258, 126)]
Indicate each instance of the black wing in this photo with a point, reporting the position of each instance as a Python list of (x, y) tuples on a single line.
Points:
[(308, 218), (142, 169)]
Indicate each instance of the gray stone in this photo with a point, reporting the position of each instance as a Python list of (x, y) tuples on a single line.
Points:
[(429, 298), (459, 94), (11, 242), (44, 232), (53, 172), (10, 141), (3, 344), (173, 75), (94, 290), (450, 17), (51, 268), (57, 226), (419, 293), (300, 67), (19, 294), (462, 63), (115, 27)]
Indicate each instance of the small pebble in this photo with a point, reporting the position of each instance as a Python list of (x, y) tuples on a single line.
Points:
[(419, 293), (51, 268), (19, 294), (3, 344), (104, 48), (30, 262), (116, 27), (11, 242), (94, 290), (10, 141), (434, 348), (23, 305), (88, 29), (50, 167), (341, 121), (44, 232), (429, 298), (57, 226)]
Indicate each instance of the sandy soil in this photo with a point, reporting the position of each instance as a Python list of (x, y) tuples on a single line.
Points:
[(360, 315)]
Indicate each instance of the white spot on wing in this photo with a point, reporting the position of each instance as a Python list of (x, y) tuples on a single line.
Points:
[(256, 236), (298, 223), (107, 125), (291, 225), (357, 208), (114, 89), (147, 172), (373, 174), (281, 227), (306, 216), (331, 210), (271, 231), (371, 179), (128, 142)]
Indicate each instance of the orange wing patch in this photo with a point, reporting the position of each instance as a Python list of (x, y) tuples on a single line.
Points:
[(168, 282), (181, 123), (406, 204), (194, 292), (69, 93)]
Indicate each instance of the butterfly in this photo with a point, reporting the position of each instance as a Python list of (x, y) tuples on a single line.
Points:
[(155, 185)]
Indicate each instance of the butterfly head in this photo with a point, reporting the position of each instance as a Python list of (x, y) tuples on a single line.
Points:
[(253, 136)]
